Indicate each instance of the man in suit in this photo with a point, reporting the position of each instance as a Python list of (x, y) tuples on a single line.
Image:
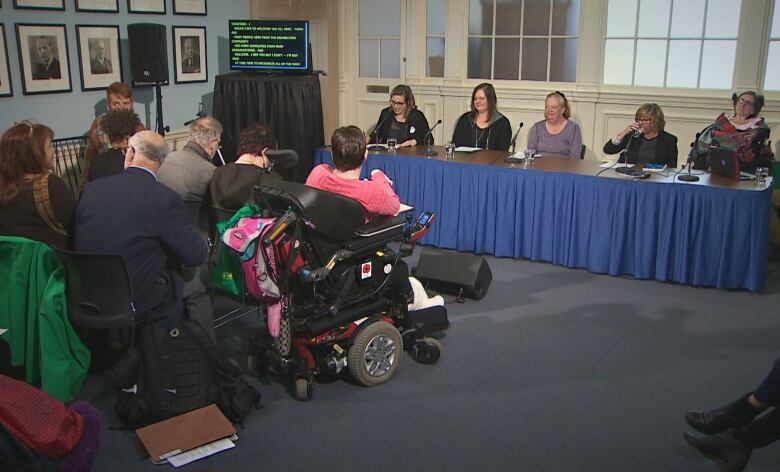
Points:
[(48, 66), (190, 63), (135, 216), (100, 64)]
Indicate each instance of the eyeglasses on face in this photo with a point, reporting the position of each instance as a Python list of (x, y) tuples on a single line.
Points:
[(397, 104), (742, 101)]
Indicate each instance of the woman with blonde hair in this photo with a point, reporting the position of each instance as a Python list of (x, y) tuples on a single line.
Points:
[(401, 120), (556, 134), (645, 140)]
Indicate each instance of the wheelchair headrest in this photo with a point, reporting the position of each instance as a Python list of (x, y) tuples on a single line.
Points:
[(332, 215)]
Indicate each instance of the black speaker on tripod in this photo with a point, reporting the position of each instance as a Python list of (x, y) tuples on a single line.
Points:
[(454, 273), (148, 52)]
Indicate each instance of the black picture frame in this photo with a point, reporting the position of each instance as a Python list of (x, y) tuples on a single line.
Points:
[(6, 85), (39, 77), (54, 5), (147, 7), (192, 72), (96, 74), (190, 7), (93, 6)]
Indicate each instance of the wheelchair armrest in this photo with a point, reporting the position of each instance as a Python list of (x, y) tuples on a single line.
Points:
[(379, 226)]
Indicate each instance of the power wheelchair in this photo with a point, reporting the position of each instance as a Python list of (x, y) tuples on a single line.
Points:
[(344, 291)]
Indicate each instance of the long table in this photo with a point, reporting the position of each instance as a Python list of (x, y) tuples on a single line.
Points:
[(714, 232)]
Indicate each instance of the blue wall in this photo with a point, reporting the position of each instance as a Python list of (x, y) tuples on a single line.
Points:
[(70, 114)]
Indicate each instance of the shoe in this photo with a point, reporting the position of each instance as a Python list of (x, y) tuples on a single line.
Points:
[(733, 415), (731, 454)]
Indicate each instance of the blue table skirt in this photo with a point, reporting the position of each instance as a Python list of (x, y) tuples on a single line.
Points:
[(690, 234)]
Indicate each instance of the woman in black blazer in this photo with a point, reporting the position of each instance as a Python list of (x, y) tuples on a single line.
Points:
[(401, 120), (645, 139)]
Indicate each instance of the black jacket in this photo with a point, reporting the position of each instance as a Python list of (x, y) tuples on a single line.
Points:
[(496, 136), (665, 149), (416, 126)]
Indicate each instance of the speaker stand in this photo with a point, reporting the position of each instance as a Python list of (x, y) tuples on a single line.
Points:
[(161, 129)]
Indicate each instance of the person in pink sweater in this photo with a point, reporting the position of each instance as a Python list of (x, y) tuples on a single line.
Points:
[(348, 145)]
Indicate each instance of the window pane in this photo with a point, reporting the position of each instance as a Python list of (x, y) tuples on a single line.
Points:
[(369, 57), (563, 60), (480, 55), (391, 58), (683, 65), (380, 17), (536, 19), (508, 15), (688, 19), (507, 58), (654, 18), (722, 18), (434, 67), (772, 81), (717, 64), (650, 62), (480, 17), (621, 18), (534, 59), (566, 17), (435, 17), (776, 21), (618, 61)]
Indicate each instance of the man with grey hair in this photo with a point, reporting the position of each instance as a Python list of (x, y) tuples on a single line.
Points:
[(145, 222), (188, 172)]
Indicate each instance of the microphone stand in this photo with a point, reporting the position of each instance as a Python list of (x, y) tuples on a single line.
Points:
[(694, 155), (428, 151), (379, 125), (626, 169), (514, 138)]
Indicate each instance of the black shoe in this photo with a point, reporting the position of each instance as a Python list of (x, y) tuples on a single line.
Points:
[(731, 454), (733, 415)]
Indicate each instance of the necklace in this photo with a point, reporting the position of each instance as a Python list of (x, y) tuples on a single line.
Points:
[(478, 138)]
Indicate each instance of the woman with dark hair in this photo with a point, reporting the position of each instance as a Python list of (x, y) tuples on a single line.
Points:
[(401, 120), (556, 133), (118, 126), (483, 127), (645, 140), (741, 132), (34, 203)]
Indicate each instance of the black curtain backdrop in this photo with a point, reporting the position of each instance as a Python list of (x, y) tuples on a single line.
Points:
[(291, 104)]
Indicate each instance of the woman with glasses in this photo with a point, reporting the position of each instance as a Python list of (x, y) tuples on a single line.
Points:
[(556, 134), (401, 121), (34, 203), (119, 126), (742, 132), (645, 140), (483, 127)]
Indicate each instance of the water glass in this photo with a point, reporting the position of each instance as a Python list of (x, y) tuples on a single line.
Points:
[(392, 143), (529, 155), (761, 174), (449, 150)]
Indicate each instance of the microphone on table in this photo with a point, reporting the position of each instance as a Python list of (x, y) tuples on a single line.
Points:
[(428, 151), (382, 120), (514, 138)]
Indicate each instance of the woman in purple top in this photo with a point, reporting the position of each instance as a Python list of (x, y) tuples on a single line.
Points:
[(556, 134)]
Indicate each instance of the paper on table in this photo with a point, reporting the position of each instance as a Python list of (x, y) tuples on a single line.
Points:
[(404, 207), (200, 452), (608, 163), (467, 149)]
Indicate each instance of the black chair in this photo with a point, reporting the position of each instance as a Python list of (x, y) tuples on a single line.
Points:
[(98, 289)]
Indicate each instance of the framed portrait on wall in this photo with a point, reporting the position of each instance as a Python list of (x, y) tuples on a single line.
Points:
[(189, 7), (43, 55), (102, 6), (146, 6), (40, 4), (6, 89), (100, 58), (189, 54)]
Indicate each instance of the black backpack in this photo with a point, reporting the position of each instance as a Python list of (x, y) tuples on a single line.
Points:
[(175, 371)]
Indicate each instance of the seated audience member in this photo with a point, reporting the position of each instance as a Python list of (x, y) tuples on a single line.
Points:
[(348, 145), (119, 96), (34, 203), (401, 120), (232, 184), (556, 134), (738, 132), (645, 140), (483, 127), (145, 222), (734, 430), (118, 126)]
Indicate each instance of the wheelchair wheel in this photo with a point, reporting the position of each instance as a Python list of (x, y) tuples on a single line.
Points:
[(257, 363), (426, 351), (304, 388), (375, 354)]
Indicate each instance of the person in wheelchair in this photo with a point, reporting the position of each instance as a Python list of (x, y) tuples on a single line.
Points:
[(348, 145)]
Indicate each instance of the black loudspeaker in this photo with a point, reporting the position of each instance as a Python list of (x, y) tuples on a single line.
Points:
[(454, 273), (148, 52)]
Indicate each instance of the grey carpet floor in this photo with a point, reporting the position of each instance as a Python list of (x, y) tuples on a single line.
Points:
[(555, 370)]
